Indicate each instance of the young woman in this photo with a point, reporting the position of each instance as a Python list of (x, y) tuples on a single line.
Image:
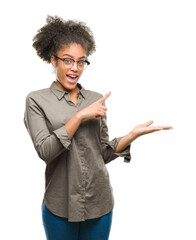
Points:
[(67, 124)]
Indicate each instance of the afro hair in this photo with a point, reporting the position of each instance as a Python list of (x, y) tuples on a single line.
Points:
[(58, 33)]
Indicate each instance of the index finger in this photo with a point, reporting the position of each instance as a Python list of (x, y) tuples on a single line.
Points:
[(101, 100)]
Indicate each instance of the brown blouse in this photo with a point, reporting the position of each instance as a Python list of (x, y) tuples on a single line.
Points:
[(77, 184)]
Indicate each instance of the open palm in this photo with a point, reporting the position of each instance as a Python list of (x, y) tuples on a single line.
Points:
[(146, 128)]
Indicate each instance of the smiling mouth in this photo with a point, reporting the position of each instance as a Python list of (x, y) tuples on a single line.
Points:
[(72, 78)]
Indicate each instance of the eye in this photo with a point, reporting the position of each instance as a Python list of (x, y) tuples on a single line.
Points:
[(81, 63), (68, 61)]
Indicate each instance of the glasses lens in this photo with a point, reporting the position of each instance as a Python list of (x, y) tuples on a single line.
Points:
[(85, 65), (82, 65), (68, 62)]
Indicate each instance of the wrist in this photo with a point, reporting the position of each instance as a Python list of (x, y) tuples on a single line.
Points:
[(79, 116), (132, 136)]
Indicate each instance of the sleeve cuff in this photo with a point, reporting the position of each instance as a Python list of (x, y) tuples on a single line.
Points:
[(111, 154), (125, 153), (62, 135)]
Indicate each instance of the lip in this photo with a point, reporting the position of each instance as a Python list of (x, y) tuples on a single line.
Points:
[(70, 80)]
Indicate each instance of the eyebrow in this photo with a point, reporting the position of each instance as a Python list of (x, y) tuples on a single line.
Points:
[(72, 56)]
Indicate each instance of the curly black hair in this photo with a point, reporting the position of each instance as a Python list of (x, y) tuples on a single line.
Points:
[(58, 33)]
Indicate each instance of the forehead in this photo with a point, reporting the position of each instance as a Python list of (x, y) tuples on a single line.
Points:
[(74, 50)]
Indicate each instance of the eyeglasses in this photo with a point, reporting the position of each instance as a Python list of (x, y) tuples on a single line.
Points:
[(69, 62)]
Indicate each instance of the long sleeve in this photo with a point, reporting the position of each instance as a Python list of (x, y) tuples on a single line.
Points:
[(109, 147), (48, 145)]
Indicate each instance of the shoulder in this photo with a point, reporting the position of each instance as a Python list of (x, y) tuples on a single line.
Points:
[(37, 95)]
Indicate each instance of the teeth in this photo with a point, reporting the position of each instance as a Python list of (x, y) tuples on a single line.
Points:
[(72, 76)]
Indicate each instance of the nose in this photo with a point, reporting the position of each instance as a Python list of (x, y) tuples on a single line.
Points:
[(74, 67)]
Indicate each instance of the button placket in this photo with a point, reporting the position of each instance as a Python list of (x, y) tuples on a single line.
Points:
[(84, 167), (83, 177)]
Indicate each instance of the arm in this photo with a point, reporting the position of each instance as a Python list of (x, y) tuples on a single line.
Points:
[(137, 132), (118, 147), (48, 145), (124, 142), (108, 148), (96, 109)]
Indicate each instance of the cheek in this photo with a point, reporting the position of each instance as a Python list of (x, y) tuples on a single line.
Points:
[(61, 72)]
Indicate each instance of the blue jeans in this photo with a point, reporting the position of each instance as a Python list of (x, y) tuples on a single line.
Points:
[(58, 228)]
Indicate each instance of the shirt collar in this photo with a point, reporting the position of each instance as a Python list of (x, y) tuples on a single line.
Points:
[(60, 93)]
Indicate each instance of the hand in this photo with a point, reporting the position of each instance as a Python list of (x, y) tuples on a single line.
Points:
[(96, 109), (145, 129)]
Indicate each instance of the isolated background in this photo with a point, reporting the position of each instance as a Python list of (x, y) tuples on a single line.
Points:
[(146, 56)]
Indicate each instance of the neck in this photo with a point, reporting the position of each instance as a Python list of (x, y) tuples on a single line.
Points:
[(61, 86)]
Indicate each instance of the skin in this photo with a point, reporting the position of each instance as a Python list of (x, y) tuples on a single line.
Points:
[(75, 52), (96, 109)]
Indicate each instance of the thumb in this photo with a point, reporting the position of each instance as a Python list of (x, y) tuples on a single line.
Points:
[(147, 124)]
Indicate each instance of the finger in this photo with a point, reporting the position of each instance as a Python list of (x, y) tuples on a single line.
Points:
[(158, 128), (101, 114), (101, 100), (148, 123), (152, 129), (103, 108), (166, 127)]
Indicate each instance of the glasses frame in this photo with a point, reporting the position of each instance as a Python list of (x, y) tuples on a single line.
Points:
[(63, 59)]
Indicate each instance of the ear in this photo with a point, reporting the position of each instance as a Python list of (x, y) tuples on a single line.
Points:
[(53, 61)]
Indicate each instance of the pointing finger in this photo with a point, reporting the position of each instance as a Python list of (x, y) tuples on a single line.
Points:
[(101, 100)]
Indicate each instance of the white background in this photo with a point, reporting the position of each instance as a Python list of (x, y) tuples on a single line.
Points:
[(146, 56)]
